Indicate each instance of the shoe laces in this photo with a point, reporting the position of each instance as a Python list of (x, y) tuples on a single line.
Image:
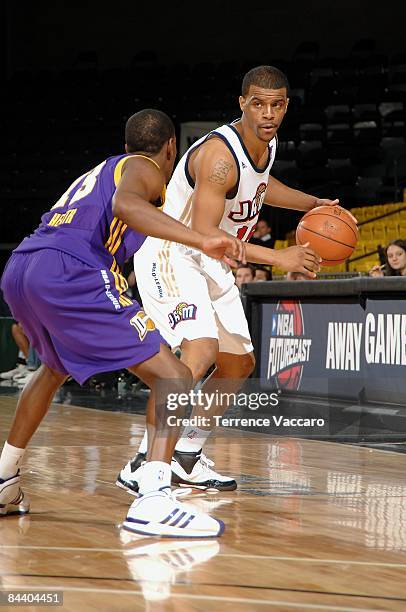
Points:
[(206, 462), (179, 492)]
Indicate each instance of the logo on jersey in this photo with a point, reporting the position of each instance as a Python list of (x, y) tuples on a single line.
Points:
[(289, 349), (249, 209), (182, 312)]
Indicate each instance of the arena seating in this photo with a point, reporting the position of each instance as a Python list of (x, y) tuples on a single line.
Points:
[(344, 136)]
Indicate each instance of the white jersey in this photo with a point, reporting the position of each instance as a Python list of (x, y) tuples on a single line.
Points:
[(242, 208), (186, 293)]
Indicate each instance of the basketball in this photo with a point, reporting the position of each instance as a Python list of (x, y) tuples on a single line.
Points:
[(330, 232)]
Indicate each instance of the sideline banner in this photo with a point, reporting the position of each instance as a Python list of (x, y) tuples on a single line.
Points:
[(345, 349)]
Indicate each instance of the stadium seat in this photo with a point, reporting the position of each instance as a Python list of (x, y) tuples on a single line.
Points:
[(379, 233), (312, 131), (369, 246), (311, 153), (286, 150), (281, 244), (366, 188), (366, 232), (343, 171)]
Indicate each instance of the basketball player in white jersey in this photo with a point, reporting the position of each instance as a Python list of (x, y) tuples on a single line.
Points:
[(221, 182)]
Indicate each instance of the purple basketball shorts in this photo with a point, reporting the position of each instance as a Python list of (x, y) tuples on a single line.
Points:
[(72, 315)]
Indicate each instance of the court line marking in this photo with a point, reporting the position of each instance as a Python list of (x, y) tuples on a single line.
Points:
[(350, 443), (247, 492), (265, 602), (232, 555)]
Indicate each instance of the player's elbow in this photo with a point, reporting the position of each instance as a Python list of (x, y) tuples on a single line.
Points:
[(123, 207), (118, 205)]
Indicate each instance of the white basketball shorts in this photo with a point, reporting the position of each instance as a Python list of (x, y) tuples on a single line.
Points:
[(189, 296)]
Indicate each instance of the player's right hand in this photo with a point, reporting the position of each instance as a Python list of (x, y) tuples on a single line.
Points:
[(299, 258), (225, 247), (236, 253)]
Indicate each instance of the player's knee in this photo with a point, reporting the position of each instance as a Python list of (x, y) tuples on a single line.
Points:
[(183, 372), (181, 377), (199, 369), (247, 365), (236, 366), (52, 376), (200, 356)]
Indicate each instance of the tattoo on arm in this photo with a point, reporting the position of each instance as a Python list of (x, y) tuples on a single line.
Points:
[(219, 172)]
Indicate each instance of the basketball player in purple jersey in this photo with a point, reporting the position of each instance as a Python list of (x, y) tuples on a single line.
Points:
[(65, 286)]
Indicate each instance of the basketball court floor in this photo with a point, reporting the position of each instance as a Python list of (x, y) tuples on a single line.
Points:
[(314, 525)]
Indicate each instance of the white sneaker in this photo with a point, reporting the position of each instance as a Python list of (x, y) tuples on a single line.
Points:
[(21, 373), (12, 498), (160, 514), (201, 476), (129, 476), (20, 369), (22, 380)]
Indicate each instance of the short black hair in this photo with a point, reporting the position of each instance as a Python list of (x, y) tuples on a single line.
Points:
[(148, 130), (267, 77)]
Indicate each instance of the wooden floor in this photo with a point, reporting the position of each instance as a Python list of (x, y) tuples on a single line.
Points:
[(313, 525)]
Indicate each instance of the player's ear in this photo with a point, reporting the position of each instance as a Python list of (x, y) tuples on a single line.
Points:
[(171, 148), (242, 101), (126, 148), (287, 104)]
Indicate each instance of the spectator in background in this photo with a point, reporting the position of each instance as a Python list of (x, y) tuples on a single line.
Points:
[(263, 235), (295, 276), (395, 260), (262, 274), (244, 274), (33, 363), (25, 366), (23, 344)]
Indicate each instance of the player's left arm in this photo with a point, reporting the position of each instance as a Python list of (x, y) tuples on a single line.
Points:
[(280, 195)]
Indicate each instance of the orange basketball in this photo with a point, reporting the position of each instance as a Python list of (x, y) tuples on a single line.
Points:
[(330, 231)]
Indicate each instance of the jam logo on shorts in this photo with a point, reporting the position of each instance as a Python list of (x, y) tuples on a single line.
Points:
[(182, 312), (142, 323)]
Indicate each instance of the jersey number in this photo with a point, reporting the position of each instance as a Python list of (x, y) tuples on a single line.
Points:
[(242, 231), (89, 181)]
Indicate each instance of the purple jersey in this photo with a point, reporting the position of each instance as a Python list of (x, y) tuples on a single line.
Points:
[(82, 224), (63, 282)]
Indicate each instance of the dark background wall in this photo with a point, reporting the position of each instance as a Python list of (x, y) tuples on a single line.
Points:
[(49, 34), (72, 72)]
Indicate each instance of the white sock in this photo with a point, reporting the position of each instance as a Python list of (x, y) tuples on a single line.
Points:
[(10, 460), (192, 439), (154, 476), (144, 443)]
